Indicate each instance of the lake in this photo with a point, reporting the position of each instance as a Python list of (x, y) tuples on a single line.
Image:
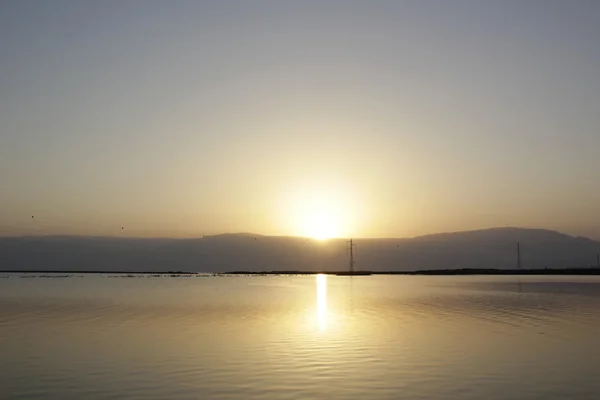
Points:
[(299, 337)]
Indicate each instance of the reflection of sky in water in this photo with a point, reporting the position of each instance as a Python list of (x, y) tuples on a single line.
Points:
[(275, 337)]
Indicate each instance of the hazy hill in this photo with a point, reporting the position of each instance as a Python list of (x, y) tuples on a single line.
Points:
[(491, 248)]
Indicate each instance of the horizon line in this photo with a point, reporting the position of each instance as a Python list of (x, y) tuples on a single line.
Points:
[(66, 235)]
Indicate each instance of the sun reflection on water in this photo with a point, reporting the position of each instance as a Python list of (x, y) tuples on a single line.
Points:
[(321, 301)]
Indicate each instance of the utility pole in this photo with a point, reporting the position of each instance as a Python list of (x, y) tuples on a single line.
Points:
[(518, 255), (351, 256)]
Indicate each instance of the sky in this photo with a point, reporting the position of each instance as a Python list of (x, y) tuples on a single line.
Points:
[(317, 118)]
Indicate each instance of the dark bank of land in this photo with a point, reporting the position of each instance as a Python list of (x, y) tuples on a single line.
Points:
[(484, 271), (482, 252), (461, 271)]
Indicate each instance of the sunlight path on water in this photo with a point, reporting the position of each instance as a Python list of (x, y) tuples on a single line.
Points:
[(322, 301)]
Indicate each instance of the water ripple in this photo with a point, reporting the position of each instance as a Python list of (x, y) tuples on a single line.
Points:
[(278, 338)]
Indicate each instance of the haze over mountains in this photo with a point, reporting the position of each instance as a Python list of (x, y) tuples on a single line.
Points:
[(491, 248)]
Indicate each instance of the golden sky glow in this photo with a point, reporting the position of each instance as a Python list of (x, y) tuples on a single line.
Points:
[(320, 211), (335, 119)]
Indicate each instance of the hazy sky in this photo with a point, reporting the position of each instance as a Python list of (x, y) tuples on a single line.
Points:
[(359, 118)]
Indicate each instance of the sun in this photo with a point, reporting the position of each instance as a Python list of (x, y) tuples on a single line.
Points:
[(318, 213), (321, 225)]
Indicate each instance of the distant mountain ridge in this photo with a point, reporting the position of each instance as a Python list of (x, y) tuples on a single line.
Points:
[(504, 233), (488, 248)]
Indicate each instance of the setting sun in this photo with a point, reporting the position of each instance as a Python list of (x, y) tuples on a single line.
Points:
[(321, 225), (319, 213)]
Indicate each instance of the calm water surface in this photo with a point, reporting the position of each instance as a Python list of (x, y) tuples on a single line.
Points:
[(299, 337)]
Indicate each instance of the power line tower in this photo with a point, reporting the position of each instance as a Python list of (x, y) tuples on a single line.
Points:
[(351, 248)]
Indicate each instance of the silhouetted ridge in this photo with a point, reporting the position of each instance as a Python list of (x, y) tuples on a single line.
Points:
[(479, 250), (508, 233)]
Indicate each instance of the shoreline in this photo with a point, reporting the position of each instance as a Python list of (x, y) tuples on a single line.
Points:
[(436, 272)]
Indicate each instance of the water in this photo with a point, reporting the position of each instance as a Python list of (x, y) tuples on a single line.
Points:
[(299, 337)]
